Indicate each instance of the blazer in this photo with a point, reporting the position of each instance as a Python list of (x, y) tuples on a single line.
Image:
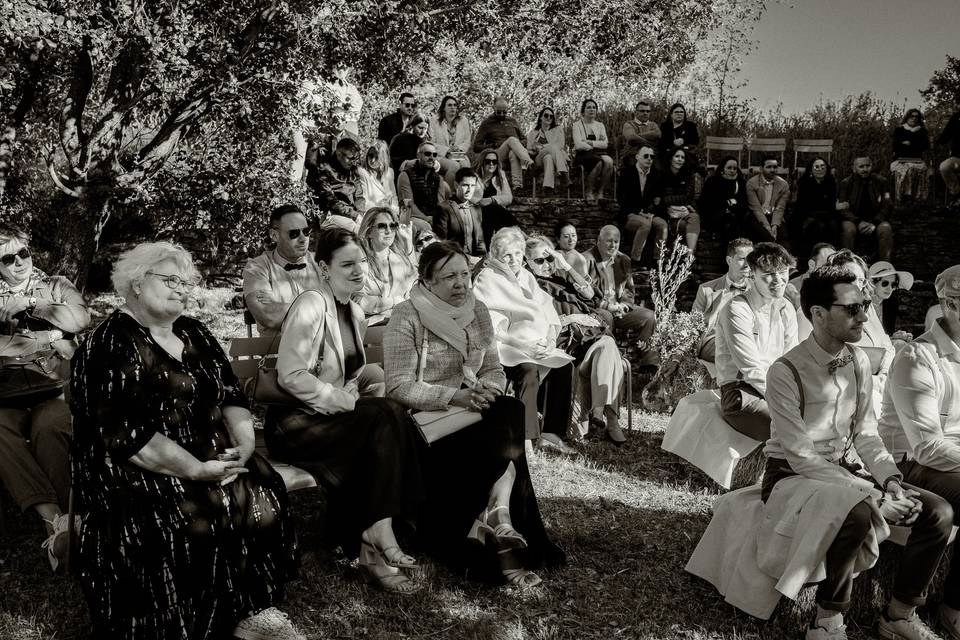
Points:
[(552, 136), (440, 135), (390, 126), (448, 225), (631, 197), (711, 296), (778, 198), (622, 276), (310, 356), (379, 296), (403, 341)]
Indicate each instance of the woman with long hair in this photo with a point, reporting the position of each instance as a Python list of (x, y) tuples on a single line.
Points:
[(677, 132), (404, 145), (676, 198), (390, 264), (814, 210), (377, 181), (494, 194), (546, 144), (452, 135), (723, 199), (591, 143)]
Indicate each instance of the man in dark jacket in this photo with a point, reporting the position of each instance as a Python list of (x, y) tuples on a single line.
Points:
[(638, 192), (863, 200), (502, 133), (336, 187), (458, 218), (394, 123), (950, 168)]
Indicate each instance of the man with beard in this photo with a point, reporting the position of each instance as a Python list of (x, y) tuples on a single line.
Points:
[(713, 295), (755, 328)]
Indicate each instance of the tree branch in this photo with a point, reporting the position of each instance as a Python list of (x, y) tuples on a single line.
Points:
[(72, 136)]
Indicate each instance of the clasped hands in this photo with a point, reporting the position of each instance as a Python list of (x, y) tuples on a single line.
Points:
[(478, 398), (225, 468), (900, 506)]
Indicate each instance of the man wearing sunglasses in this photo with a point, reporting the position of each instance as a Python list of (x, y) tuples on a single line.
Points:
[(392, 124), (458, 218), (39, 317), (638, 194), (501, 133), (274, 279), (640, 130), (421, 186), (336, 186)]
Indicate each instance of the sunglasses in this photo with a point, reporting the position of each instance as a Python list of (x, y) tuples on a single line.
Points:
[(175, 282), (429, 154), (854, 309), (646, 155), (490, 161), (885, 283), (548, 115), (9, 258), (539, 261), (383, 227), (409, 105), (293, 234)]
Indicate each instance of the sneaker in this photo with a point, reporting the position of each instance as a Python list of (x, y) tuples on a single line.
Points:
[(819, 633), (950, 621), (912, 628), (58, 543), (269, 624)]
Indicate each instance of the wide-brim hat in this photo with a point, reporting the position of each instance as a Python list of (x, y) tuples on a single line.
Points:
[(882, 269)]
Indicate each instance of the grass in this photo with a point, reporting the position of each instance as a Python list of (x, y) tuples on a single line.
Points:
[(628, 518)]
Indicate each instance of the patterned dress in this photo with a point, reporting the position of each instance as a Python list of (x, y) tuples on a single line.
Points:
[(162, 557)]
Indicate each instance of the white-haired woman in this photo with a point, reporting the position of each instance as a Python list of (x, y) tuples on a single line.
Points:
[(526, 326), (186, 532), (39, 317), (378, 184), (391, 271)]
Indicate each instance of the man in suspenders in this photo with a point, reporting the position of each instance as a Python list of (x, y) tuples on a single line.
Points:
[(920, 420), (820, 399)]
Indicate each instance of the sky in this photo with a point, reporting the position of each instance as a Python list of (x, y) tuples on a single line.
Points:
[(831, 48)]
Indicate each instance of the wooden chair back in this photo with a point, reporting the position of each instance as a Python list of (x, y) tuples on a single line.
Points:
[(819, 147), (768, 146), (720, 144)]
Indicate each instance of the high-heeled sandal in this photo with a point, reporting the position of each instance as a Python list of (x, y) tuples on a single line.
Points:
[(505, 535), (396, 583), (514, 573), (370, 552)]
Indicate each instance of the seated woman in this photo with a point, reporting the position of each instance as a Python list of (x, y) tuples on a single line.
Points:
[(677, 199), (440, 353), (39, 317), (911, 144), (404, 145), (723, 200), (679, 133), (586, 332), (378, 185), (362, 449), (526, 327), (452, 135), (390, 264), (886, 281), (187, 531), (548, 148), (590, 142), (493, 195), (566, 236), (814, 210)]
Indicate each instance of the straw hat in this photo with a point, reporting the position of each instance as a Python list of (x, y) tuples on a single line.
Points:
[(882, 269)]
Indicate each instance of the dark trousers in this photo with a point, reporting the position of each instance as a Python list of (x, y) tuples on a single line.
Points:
[(644, 322), (758, 233), (814, 227), (883, 233), (921, 555), (744, 409), (551, 394)]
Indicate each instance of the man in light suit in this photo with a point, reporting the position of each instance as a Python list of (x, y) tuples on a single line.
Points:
[(767, 195), (612, 277), (712, 295), (459, 218)]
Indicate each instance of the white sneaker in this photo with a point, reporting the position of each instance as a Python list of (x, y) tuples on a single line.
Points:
[(58, 542), (912, 628), (819, 633), (269, 624)]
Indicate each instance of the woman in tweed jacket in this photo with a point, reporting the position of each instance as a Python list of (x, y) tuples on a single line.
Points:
[(440, 352)]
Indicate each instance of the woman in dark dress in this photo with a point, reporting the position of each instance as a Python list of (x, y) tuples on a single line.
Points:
[(494, 196), (677, 132), (440, 353), (187, 533), (361, 447), (723, 200), (404, 145), (814, 217), (677, 199)]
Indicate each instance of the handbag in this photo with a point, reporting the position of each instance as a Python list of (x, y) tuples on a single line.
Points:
[(32, 373), (434, 425), (265, 386)]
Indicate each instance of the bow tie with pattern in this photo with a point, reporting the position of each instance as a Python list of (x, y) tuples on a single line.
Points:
[(738, 287), (294, 266), (839, 361)]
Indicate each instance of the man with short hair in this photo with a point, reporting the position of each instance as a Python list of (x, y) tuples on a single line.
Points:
[(612, 277), (754, 328), (713, 295), (393, 123), (336, 186), (638, 194), (820, 395), (274, 279), (458, 219), (863, 200), (640, 130), (422, 185), (767, 195), (950, 168), (502, 133), (818, 257)]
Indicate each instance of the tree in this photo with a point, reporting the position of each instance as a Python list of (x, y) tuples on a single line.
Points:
[(943, 91)]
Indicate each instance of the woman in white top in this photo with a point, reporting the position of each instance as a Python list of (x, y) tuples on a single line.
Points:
[(547, 147), (391, 270), (377, 183), (452, 135), (590, 142)]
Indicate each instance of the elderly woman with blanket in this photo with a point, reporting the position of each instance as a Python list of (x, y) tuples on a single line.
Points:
[(440, 356), (526, 326)]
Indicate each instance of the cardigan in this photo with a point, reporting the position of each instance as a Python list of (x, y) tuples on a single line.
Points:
[(554, 136), (580, 142), (910, 144), (440, 135), (403, 343)]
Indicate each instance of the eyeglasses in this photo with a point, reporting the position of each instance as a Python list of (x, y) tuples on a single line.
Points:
[(175, 282), (885, 283), (539, 261), (854, 308), (490, 161), (293, 234), (383, 227), (409, 105), (548, 115), (9, 258), (646, 155), (429, 154)]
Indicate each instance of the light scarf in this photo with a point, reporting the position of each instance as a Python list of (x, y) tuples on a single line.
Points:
[(508, 273), (912, 129), (449, 323)]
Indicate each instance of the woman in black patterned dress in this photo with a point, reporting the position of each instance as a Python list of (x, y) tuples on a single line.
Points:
[(186, 534)]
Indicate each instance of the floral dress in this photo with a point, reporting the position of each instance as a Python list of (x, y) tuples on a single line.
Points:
[(162, 557)]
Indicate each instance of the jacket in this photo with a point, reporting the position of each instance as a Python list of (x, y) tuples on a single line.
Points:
[(713, 204), (853, 189), (622, 276), (778, 199), (390, 126), (492, 133), (448, 225), (440, 135), (951, 135), (59, 306), (634, 199), (336, 189)]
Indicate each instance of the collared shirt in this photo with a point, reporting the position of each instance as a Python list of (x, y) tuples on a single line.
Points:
[(266, 273), (920, 417), (643, 176), (814, 439), (751, 334), (608, 282), (466, 219), (767, 194)]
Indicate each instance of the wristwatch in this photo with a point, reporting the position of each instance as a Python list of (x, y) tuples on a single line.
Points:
[(32, 302)]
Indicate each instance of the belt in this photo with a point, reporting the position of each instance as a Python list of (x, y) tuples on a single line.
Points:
[(26, 358)]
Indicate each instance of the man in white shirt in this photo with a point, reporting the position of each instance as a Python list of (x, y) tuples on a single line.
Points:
[(274, 279), (818, 257), (820, 396), (920, 419), (754, 328), (713, 295)]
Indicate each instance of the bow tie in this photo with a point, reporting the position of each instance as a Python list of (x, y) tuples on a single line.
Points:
[(738, 287), (294, 266), (839, 361)]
